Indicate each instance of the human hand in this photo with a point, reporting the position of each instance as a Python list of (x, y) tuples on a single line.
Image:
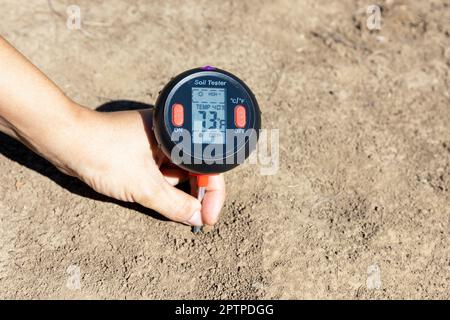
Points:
[(116, 154)]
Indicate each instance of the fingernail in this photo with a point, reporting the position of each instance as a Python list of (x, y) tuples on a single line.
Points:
[(196, 219)]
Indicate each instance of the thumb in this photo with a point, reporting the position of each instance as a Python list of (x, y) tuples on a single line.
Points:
[(175, 204)]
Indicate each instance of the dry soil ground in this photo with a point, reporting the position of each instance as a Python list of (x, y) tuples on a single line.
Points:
[(360, 205)]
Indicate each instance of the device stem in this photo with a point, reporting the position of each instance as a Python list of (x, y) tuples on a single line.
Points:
[(202, 182)]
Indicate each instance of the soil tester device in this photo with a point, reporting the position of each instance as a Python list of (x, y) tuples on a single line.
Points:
[(207, 121)]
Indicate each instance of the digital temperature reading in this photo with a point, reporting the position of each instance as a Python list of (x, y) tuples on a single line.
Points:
[(208, 116)]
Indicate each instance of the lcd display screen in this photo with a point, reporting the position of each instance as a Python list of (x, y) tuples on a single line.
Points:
[(208, 115)]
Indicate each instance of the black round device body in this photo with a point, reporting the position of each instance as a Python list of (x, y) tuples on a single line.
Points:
[(206, 120)]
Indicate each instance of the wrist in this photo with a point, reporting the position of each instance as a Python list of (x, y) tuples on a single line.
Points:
[(68, 138), (56, 135)]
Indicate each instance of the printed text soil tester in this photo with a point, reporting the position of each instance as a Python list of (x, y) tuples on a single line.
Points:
[(206, 121)]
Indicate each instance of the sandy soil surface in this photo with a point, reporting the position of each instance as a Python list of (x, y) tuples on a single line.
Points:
[(360, 205)]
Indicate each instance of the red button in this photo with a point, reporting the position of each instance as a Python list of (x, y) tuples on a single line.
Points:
[(240, 117), (177, 115)]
